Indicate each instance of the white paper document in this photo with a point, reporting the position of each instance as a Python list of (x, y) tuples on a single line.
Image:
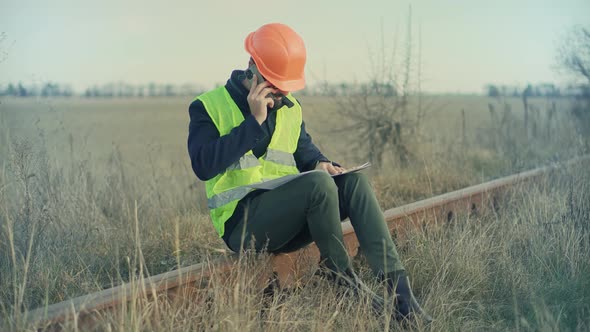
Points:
[(354, 169), (275, 183)]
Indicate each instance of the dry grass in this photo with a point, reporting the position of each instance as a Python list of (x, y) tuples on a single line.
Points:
[(93, 194)]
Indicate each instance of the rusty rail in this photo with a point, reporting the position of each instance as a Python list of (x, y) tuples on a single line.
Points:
[(290, 266)]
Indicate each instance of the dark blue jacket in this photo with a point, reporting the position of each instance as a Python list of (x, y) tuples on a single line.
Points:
[(211, 154)]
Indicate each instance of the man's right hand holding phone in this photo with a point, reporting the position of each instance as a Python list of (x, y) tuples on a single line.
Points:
[(259, 99)]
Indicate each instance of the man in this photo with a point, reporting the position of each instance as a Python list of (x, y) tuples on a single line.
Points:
[(251, 130)]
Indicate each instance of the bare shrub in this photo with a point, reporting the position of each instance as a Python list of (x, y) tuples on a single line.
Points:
[(378, 116)]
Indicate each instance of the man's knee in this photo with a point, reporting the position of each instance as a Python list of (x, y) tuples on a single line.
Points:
[(320, 182), (355, 178)]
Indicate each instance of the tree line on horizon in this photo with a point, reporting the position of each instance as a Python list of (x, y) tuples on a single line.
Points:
[(532, 90), (110, 90), (126, 90)]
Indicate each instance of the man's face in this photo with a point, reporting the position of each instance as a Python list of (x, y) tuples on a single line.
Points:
[(277, 97), (279, 94), (278, 100)]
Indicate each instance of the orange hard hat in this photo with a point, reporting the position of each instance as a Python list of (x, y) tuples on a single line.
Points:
[(279, 54)]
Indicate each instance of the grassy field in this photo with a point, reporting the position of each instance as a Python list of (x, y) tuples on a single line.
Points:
[(97, 192)]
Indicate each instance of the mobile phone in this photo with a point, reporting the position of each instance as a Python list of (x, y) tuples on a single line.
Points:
[(253, 70)]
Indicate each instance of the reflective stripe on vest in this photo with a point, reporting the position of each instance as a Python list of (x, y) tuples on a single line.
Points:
[(280, 157), (227, 196), (226, 189), (246, 161)]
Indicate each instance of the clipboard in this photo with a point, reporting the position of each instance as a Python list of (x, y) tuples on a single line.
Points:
[(275, 183)]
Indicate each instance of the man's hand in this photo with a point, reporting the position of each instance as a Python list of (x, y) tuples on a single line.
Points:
[(259, 99), (328, 167)]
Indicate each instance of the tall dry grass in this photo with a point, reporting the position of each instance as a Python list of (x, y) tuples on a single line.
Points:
[(524, 267), (68, 230)]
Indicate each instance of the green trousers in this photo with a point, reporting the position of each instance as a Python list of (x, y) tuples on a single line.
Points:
[(311, 208)]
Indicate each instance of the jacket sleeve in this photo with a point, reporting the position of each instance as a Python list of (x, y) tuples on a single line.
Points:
[(211, 154), (307, 154)]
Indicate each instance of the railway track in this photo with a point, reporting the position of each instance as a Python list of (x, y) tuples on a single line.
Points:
[(286, 268)]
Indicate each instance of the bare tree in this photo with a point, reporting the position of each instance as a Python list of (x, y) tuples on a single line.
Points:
[(3, 51), (574, 53), (574, 59)]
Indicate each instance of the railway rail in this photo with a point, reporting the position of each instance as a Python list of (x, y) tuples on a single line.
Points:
[(289, 267)]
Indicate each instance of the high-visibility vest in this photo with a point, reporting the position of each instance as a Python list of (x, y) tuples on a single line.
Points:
[(227, 188)]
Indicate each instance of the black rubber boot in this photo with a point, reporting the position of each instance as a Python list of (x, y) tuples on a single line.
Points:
[(407, 307), (350, 281)]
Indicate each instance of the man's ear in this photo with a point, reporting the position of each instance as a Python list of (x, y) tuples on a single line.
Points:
[(250, 62)]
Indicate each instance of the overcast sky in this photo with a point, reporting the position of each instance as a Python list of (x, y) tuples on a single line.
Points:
[(465, 43)]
